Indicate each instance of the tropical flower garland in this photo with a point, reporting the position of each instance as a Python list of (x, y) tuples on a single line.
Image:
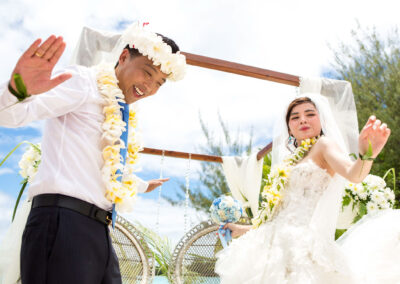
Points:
[(272, 193), (151, 45), (119, 180)]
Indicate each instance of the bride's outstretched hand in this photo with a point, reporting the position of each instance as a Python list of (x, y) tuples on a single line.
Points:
[(36, 65), (237, 230), (374, 132)]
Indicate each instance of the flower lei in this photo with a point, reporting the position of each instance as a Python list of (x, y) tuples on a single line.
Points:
[(272, 193), (151, 45), (119, 180)]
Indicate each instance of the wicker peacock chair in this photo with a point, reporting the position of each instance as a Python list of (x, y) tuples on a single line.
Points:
[(136, 260), (193, 260)]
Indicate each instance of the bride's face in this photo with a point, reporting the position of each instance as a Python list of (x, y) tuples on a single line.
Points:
[(304, 122)]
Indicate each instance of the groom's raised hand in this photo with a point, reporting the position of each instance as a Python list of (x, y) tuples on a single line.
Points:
[(36, 65)]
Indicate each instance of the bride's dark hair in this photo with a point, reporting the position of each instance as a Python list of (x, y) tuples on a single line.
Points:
[(294, 103)]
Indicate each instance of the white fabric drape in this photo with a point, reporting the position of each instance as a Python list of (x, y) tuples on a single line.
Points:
[(11, 244), (94, 46), (243, 175)]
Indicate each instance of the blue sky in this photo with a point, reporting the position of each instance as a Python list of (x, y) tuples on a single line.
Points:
[(286, 36)]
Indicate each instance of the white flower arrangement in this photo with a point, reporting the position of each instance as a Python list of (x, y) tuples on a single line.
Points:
[(30, 162), (119, 179), (151, 45), (272, 193), (369, 196)]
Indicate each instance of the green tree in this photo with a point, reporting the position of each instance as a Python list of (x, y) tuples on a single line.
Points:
[(371, 63), (212, 179)]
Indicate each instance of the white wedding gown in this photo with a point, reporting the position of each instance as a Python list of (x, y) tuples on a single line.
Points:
[(288, 250)]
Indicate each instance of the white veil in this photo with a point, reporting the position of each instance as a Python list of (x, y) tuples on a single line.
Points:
[(95, 46), (335, 103)]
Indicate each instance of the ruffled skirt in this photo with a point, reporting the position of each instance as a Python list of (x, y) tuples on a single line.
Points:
[(282, 253), (279, 253)]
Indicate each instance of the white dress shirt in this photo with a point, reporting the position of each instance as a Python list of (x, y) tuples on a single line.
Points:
[(72, 145)]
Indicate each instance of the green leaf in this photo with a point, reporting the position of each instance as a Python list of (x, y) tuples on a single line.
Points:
[(249, 212), (353, 156), (346, 201), (394, 177), (12, 151), (363, 209), (356, 219), (339, 233), (18, 199), (369, 150), (19, 83)]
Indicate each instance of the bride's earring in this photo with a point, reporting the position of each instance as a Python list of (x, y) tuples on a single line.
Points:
[(292, 141)]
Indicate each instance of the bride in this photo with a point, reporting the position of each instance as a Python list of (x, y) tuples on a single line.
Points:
[(297, 245)]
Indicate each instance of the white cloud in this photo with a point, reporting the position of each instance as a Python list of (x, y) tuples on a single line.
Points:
[(4, 171)]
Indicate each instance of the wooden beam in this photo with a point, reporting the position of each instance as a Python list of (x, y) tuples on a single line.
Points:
[(183, 155), (235, 68), (198, 157), (241, 69)]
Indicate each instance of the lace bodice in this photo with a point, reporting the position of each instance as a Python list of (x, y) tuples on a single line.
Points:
[(306, 184)]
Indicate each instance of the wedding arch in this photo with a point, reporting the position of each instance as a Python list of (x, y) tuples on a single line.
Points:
[(193, 258)]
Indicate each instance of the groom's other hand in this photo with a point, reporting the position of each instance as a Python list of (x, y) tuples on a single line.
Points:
[(36, 65), (154, 183)]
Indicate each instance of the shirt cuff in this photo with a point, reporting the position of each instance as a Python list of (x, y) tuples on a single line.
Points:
[(7, 98), (142, 186)]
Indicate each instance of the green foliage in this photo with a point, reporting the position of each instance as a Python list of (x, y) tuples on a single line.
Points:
[(161, 247), (372, 64), (339, 233), (212, 179)]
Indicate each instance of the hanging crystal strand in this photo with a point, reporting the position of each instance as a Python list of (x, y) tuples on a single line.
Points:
[(187, 178), (159, 194)]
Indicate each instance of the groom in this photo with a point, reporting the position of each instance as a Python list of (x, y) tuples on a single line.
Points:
[(66, 238)]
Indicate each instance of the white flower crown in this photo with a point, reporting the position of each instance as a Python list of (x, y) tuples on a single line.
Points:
[(151, 45)]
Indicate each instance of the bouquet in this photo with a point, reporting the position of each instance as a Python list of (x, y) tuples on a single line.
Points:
[(369, 196), (29, 165), (224, 210)]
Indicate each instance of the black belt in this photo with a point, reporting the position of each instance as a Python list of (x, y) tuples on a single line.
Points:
[(77, 205)]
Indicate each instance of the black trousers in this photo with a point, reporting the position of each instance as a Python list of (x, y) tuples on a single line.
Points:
[(61, 246)]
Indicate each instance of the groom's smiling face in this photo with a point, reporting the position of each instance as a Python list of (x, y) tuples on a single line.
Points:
[(137, 77)]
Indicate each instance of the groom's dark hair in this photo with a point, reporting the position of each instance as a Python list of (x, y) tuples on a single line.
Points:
[(134, 52)]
